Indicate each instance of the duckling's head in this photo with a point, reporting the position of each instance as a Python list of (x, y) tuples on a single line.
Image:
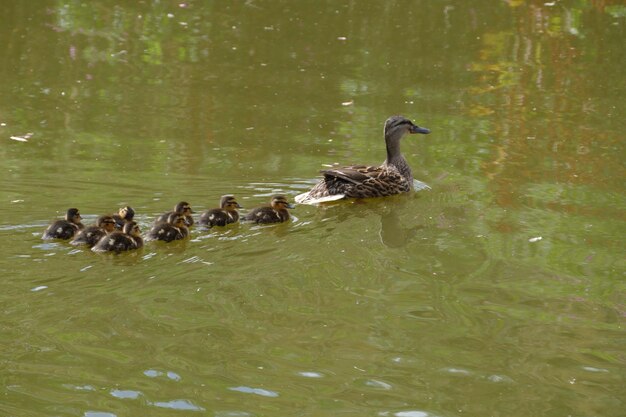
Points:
[(279, 202), (73, 216), (228, 202), (132, 228), (398, 126), (127, 213), (106, 222), (177, 220), (184, 208)]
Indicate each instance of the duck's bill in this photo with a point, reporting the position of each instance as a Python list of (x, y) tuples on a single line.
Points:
[(417, 129)]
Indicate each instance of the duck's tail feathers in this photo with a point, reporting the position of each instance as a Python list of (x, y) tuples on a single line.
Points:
[(306, 198)]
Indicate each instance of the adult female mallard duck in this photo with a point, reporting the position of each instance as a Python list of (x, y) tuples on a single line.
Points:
[(129, 238), (359, 181), (226, 214), (276, 212), (174, 228), (124, 215), (65, 229), (91, 235), (182, 208)]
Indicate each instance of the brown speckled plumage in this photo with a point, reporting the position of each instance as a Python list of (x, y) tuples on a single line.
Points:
[(360, 181)]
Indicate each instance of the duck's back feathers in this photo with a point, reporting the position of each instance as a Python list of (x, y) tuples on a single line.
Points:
[(117, 242), (357, 181), (267, 215), (128, 239), (173, 228), (163, 218), (89, 236), (61, 229), (166, 232), (218, 217), (276, 212), (66, 228)]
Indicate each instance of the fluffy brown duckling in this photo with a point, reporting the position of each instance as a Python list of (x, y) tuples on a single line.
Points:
[(65, 229), (128, 239), (174, 228), (124, 215), (226, 214), (91, 235), (276, 212), (182, 208)]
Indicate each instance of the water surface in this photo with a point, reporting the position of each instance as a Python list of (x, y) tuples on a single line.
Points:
[(499, 291)]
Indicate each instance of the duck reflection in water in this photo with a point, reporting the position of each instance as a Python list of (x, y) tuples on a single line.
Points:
[(394, 231)]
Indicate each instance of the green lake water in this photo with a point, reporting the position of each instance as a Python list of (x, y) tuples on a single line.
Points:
[(499, 291)]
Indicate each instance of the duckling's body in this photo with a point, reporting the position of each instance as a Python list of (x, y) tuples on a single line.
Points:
[(174, 229), (394, 176), (226, 214), (128, 239), (124, 215), (91, 235), (65, 229), (181, 208), (276, 212)]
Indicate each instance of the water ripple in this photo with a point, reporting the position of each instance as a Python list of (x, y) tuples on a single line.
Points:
[(126, 394), (178, 405), (258, 391)]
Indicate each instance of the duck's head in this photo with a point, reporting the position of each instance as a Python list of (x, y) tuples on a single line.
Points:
[(398, 126), (184, 208), (279, 202), (177, 220), (107, 223), (228, 202), (127, 213), (73, 216), (132, 228)]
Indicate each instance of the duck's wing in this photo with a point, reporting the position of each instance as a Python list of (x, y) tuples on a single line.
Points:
[(355, 174)]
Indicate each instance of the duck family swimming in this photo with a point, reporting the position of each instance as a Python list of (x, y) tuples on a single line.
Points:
[(393, 176), (104, 237)]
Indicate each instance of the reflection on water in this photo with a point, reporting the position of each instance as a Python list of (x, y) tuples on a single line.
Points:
[(438, 303), (393, 232)]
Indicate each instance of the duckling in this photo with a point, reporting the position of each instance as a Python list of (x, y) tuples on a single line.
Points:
[(129, 238), (124, 215), (65, 229), (92, 234), (182, 208), (276, 212), (359, 181), (226, 214), (174, 229)]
